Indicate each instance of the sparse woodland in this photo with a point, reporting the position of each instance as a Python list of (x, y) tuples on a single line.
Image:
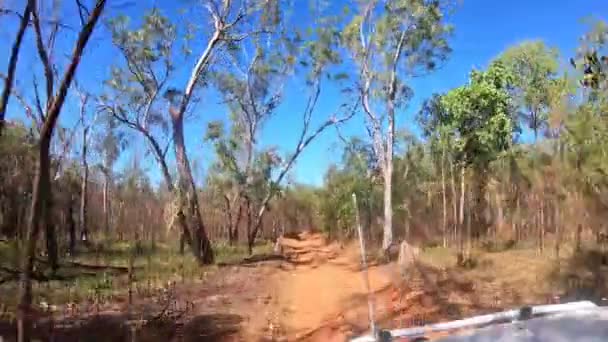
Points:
[(103, 173)]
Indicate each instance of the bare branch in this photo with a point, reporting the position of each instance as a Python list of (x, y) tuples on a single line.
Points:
[(50, 44), (236, 20), (200, 66), (308, 110), (393, 78), (226, 7), (37, 100), (12, 64), (84, 99), (65, 146), (252, 121), (27, 108), (148, 109), (166, 148), (301, 146), (83, 12), (366, 14), (4, 11), (214, 11), (340, 135), (43, 54), (373, 127)]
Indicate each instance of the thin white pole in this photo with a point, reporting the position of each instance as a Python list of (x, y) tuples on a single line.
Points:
[(370, 299)]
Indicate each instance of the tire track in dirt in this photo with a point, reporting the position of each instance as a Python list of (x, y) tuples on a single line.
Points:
[(324, 298)]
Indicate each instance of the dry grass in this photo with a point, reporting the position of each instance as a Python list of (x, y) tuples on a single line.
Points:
[(522, 275), (154, 267)]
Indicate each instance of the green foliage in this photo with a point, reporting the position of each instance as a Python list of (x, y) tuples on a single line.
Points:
[(481, 115), (136, 85), (357, 175), (592, 58), (534, 67), (151, 42), (415, 27)]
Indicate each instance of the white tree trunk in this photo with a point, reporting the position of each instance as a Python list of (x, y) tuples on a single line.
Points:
[(444, 223), (387, 238), (106, 204)]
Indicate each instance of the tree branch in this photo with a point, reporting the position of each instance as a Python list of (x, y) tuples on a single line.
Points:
[(200, 66), (28, 109), (83, 12), (43, 54), (393, 77), (12, 64), (64, 148), (301, 146), (37, 100)]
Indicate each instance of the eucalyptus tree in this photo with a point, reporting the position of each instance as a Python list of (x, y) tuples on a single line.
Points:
[(148, 52), (534, 67), (134, 90), (109, 144), (251, 83), (390, 42), (253, 88), (480, 115), (87, 125)]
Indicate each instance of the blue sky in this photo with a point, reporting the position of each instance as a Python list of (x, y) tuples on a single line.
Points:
[(483, 29)]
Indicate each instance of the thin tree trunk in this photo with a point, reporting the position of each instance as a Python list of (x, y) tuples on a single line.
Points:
[(188, 194), (229, 222), (499, 214), (542, 224), (84, 189), (185, 236), (454, 201), (558, 232), (106, 203), (237, 224), (517, 223), (42, 183), (444, 222), (470, 207), (250, 235), (369, 219), (461, 216), (50, 235), (39, 195), (12, 63), (71, 228), (387, 236)]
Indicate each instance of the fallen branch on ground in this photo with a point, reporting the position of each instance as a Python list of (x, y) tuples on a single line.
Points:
[(253, 259), (93, 267)]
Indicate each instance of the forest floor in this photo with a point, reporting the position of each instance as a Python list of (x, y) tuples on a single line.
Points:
[(317, 293)]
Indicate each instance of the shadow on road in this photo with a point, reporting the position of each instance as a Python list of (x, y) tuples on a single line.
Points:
[(116, 327)]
